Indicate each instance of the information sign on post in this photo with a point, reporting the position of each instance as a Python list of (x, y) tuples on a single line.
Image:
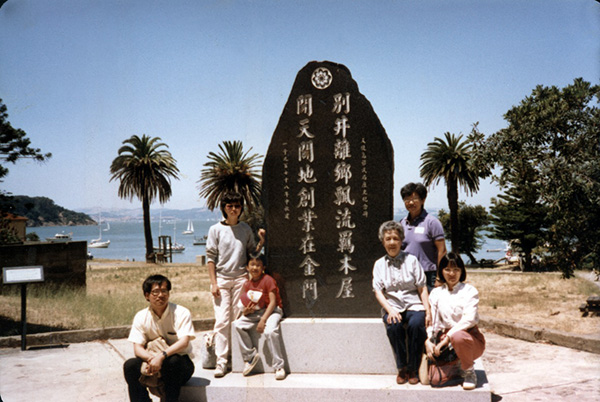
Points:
[(23, 275)]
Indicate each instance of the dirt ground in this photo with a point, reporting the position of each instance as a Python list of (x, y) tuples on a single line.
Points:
[(537, 299)]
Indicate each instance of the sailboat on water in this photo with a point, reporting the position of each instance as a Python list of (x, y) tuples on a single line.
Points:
[(190, 228), (99, 243), (176, 247)]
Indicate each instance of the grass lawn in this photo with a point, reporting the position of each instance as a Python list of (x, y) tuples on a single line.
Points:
[(114, 294), (539, 299)]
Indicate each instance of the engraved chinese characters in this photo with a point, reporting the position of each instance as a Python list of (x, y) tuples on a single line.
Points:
[(327, 186)]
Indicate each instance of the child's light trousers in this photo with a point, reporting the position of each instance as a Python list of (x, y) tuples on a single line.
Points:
[(247, 323)]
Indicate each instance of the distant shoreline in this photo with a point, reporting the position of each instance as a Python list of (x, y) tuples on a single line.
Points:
[(107, 263)]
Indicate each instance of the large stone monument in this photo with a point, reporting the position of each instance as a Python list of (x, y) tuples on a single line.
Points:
[(327, 186)]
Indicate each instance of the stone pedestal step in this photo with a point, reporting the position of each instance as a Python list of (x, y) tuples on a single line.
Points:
[(234, 387)]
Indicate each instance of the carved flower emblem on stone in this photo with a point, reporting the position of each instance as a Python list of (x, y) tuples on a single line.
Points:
[(321, 78)]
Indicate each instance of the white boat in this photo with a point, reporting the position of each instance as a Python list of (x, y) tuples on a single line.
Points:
[(200, 241), (190, 228), (177, 248), (98, 243), (60, 238)]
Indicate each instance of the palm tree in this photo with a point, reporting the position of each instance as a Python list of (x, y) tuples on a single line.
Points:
[(145, 171), (231, 170), (450, 160)]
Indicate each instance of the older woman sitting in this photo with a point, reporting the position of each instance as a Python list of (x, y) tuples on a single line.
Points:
[(399, 286)]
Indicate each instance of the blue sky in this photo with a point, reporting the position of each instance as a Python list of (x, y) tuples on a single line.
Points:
[(82, 76)]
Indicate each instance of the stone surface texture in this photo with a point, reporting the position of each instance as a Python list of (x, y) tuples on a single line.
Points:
[(327, 186)]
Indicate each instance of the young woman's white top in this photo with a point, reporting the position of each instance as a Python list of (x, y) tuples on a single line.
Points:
[(455, 310)]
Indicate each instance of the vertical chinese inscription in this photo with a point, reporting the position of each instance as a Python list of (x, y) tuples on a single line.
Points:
[(343, 176), (329, 152), (306, 197)]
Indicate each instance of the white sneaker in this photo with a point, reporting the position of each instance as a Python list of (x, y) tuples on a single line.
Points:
[(220, 370), (280, 374), (250, 365), (470, 379)]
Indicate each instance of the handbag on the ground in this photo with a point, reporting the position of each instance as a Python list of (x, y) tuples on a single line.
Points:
[(207, 351), (444, 370), (444, 374)]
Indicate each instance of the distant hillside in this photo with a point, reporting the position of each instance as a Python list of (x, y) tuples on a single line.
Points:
[(136, 214), (400, 213), (42, 211)]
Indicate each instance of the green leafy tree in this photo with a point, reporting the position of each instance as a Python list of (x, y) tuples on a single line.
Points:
[(472, 220), (8, 234), (449, 160), (555, 132), (32, 236), (231, 170), (145, 169), (14, 144)]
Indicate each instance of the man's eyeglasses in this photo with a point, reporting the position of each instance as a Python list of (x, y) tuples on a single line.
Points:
[(157, 292)]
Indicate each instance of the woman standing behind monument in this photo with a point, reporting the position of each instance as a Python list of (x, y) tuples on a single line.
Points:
[(399, 286), (227, 246), (423, 232)]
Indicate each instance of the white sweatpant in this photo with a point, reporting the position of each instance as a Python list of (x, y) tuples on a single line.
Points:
[(227, 309)]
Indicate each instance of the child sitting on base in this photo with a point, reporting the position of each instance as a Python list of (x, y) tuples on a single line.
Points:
[(262, 310)]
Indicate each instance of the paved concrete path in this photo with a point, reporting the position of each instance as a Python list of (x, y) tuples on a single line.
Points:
[(524, 371), (91, 371)]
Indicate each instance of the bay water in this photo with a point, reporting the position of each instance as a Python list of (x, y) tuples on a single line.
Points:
[(127, 239)]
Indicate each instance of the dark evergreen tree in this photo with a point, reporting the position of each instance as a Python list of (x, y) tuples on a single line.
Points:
[(472, 221), (14, 144), (519, 217)]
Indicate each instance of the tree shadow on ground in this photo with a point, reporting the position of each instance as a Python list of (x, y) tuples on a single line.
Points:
[(10, 327)]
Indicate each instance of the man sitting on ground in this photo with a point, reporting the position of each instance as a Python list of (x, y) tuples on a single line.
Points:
[(172, 366)]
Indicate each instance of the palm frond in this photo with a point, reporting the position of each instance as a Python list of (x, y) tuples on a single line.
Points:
[(143, 168), (231, 170), (449, 159)]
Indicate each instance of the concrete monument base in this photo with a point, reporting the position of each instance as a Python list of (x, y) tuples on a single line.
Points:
[(328, 345), (327, 359)]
